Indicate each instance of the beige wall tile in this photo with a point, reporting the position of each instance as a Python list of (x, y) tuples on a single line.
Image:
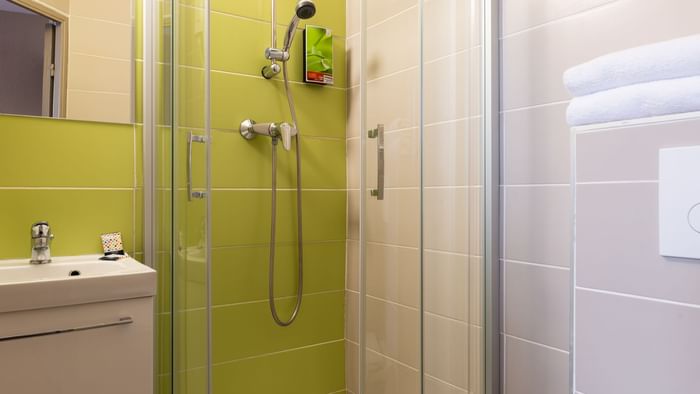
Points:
[(354, 113), (451, 87), (396, 219), (354, 163), (630, 153), (100, 38), (393, 330), (520, 15), (378, 11), (629, 345), (401, 159), (446, 281), (90, 73), (394, 44), (445, 154), (534, 369), (106, 10), (353, 12), (353, 215), (99, 106), (386, 376), (446, 344), (538, 224), (534, 61), (353, 59), (394, 101), (352, 367), (617, 246), (536, 146), (435, 386), (537, 304), (393, 273), (352, 265), (352, 310), (445, 219), (450, 26)]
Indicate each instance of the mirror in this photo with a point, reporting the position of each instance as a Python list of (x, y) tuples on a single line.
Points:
[(68, 59)]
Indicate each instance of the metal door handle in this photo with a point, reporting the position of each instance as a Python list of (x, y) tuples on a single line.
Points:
[(378, 133), (191, 138), (121, 322)]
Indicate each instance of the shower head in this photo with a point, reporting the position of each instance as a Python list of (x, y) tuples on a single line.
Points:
[(305, 9)]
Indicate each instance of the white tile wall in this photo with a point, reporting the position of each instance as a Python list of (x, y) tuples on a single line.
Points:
[(540, 40)]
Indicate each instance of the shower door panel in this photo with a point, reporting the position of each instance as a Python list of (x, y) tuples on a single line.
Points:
[(421, 232), (452, 190), (191, 194), (391, 228)]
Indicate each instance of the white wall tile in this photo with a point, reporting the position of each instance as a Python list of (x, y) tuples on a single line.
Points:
[(537, 304)]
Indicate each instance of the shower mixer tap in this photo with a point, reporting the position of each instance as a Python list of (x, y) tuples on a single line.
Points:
[(284, 131)]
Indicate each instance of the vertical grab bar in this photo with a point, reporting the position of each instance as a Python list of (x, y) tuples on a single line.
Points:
[(191, 138), (378, 133)]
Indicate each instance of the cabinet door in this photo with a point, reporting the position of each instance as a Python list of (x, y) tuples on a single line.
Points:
[(111, 352)]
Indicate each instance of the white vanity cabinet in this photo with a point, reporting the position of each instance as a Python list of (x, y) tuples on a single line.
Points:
[(98, 343)]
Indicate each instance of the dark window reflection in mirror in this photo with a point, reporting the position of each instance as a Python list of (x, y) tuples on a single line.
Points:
[(27, 70), (70, 59)]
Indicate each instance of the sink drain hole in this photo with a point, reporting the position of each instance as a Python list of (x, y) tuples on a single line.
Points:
[(74, 273)]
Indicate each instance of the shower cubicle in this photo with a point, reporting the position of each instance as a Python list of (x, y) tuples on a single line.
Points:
[(391, 173)]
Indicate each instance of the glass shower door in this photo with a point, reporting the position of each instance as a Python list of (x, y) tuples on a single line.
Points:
[(390, 294), (192, 191), (452, 186), (421, 198)]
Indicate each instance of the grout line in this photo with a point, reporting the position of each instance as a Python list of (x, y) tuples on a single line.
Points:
[(465, 323), (557, 20), (392, 359), (279, 243), (617, 182), (639, 298), (560, 268), (536, 343), (534, 106), (102, 57), (342, 37), (537, 185), (66, 188), (265, 300), (391, 74), (99, 91), (394, 303), (393, 16), (319, 344), (90, 18), (446, 383)]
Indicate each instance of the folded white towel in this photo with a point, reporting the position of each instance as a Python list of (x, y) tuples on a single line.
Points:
[(656, 98), (677, 58)]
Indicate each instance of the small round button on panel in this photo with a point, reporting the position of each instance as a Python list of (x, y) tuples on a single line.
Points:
[(694, 217)]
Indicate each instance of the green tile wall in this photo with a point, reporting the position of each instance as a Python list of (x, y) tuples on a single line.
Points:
[(82, 177), (251, 354)]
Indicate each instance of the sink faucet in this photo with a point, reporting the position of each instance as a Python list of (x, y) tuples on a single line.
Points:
[(41, 243)]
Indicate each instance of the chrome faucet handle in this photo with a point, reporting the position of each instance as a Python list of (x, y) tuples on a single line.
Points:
[(41, 235), (41, 230), (287, 131), (41, 242)]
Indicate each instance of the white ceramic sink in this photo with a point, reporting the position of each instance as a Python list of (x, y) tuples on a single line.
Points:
[(71, 281)]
